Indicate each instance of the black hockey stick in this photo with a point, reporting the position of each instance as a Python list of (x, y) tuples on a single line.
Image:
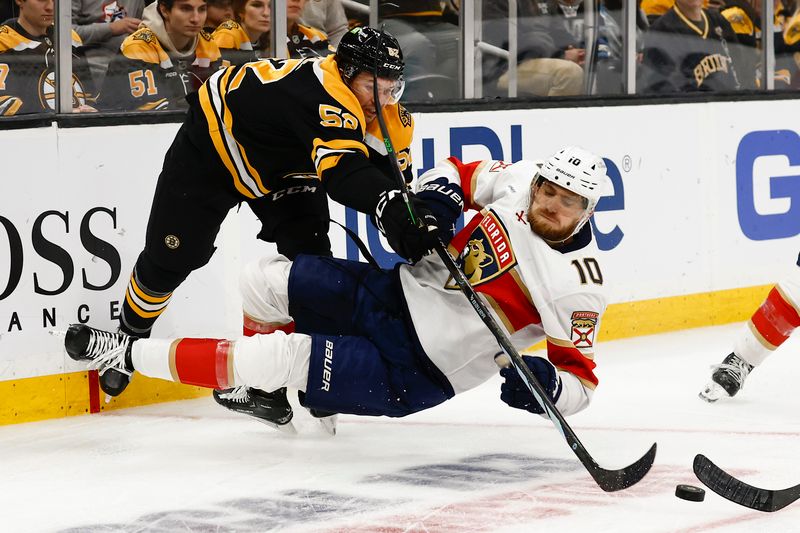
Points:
[(740, 492), (608, 480)]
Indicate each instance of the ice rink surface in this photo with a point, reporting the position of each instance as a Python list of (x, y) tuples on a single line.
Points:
[(470, 465)]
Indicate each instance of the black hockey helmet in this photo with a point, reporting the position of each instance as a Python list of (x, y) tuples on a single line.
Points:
[(362, 48)]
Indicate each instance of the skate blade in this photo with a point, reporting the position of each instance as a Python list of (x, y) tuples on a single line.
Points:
[(328, 423), (712, 393), (287, 428)]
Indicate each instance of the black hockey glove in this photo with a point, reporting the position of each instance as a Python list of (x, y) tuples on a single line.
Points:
[(446, 201), (409, 240), (515, 392)]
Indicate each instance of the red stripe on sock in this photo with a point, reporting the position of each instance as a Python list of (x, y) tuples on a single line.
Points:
[(775, 319), (204, 362)]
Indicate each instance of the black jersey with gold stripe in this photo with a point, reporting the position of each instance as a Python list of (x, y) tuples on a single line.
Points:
[(27, 77), (145, 77), (684, 55), (279, 118)]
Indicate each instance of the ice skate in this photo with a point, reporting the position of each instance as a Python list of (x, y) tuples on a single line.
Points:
[(107, 352), (327, 420), (270, 408), (727, 379)]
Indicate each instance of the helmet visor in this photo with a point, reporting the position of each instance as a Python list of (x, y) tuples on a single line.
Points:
[(389, 90)]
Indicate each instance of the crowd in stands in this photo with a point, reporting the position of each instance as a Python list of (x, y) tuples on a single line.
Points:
[(141, 55)]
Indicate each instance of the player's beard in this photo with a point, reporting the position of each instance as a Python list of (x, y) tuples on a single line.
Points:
[(544, 229)]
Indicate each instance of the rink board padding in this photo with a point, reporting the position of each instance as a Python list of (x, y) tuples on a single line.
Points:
[(76, 393)]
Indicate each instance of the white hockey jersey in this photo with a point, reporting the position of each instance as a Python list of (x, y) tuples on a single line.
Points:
[(537, 292)]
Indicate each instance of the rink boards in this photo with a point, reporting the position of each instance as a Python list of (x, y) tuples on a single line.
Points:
[(703, 218)]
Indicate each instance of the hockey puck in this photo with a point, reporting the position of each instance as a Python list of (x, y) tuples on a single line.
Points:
[(690, 493)]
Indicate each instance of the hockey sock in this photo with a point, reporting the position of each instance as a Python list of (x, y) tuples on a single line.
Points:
[(769, 327), (201, 362), (147, 296)]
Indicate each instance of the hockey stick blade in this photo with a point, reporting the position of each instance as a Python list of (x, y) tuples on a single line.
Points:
[(614, 480), (740, 492)]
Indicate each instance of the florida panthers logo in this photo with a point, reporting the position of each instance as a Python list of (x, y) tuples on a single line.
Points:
[(486, 254)]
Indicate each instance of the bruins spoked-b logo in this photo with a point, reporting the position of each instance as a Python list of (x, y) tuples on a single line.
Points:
[(172, 242), (47, 91), (487, 253), (584, 324)]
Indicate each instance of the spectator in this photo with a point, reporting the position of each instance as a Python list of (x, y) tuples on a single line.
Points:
[(166, 59), (249, 33), (655, 8), (217, 12), (745, 18), (245, 37), (328, 16), (27, 59), (551, 53), (102, 26), (689, 49), (430, 43)]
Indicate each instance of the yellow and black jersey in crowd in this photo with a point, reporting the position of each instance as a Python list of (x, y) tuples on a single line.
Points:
[(305, 41), (681, 55), (27, 77), (283, 118), (234, 43), (145, 77), (746, 22), (236, 48)]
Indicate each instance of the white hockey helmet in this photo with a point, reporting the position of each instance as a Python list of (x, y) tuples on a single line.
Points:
[(581, 172)]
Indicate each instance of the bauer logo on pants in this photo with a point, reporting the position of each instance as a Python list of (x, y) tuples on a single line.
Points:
[(584, 324)]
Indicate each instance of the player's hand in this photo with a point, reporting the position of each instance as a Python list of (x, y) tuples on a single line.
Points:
[(446, 201), (410, 240), (515, 392)]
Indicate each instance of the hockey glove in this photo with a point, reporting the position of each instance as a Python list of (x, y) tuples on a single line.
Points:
[(411, 241), (515, 392), (446, 201)]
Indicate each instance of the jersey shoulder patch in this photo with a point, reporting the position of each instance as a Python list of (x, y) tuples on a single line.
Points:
[(143, 45), (739, 20), (230, 35)]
